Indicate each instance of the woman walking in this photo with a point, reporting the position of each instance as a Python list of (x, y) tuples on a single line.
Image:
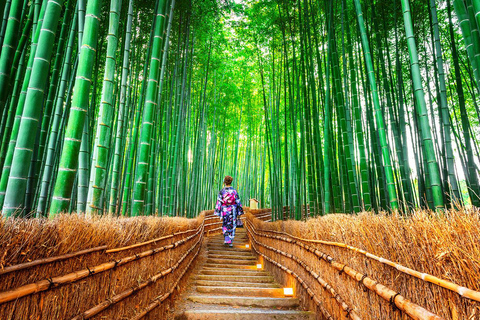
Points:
[(228, 208)]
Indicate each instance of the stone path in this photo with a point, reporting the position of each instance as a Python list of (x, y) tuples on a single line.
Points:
[(227, 285)]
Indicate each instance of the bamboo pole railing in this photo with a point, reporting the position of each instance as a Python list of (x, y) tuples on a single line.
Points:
[(119, 297), (212, 224), (211, 217), (49, 283), (212, 227), (38, 262), (413, 310), (34, 263), (265, 218), (349, 310), (141, 244), (214, 230), (310, 292), (462, 291), (157, 301)]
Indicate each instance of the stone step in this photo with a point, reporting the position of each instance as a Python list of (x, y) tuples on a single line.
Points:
[(246, 314), (242, 291), (221, 243), (229, 251), (262, 302), (237, 284), (241, 278), (226, 250), (231, 256), (237, 235), (232, 260), (229, 271), (237, 240), (222, 247), (228, 265)]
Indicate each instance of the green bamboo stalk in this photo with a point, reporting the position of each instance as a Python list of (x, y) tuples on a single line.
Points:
[(387, 163), (8, 49), (15, 192), (327, 121), (433, 169), (52, 142), (71, 144), (117, 160), (105, 117), (357, 115), (151, 102)]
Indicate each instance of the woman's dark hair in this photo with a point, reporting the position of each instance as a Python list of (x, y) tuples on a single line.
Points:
[(228, 180)]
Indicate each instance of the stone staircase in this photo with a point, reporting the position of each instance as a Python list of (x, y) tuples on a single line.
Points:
[(228, 286)]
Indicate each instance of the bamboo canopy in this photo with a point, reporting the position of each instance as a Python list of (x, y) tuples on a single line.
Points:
[(310, 105)]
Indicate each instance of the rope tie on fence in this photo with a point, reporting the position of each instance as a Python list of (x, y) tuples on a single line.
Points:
[(343, 269), (361, 284), (90, 272), (51, 284), (392, 301), (347, 312)]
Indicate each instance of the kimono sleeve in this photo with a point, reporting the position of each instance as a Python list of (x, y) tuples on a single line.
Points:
[(218, 205), (239, 204)]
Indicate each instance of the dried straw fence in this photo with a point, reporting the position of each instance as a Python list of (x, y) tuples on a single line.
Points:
[(377, 266), (74, 267)]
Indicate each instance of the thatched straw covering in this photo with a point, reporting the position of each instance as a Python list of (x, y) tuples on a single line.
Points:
[(372, 263), (65, 267)]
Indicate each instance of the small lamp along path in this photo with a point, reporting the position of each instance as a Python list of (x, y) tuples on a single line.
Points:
[(229, 285)]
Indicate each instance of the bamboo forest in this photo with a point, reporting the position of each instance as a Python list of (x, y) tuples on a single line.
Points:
[(320, 106), (240, 159)]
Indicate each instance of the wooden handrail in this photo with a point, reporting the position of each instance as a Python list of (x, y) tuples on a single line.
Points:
[(462, 291)]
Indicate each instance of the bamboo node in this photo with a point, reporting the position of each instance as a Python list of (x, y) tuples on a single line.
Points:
[(461, 291)]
